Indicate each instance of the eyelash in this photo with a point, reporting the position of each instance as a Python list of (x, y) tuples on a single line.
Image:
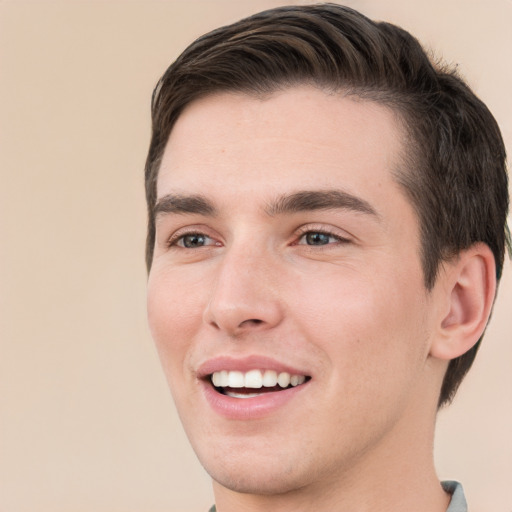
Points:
[(322, 231), (176, 238)]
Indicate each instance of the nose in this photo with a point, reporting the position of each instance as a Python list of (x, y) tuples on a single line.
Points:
[(245, 295)]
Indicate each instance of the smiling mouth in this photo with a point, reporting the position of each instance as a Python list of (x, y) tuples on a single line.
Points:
[(237, 384)]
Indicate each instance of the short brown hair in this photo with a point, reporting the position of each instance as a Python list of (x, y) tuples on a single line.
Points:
[(454, 172)]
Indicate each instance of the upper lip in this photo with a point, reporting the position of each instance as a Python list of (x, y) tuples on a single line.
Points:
[(244, 364)]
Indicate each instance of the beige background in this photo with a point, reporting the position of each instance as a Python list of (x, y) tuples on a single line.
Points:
[(86, 421)]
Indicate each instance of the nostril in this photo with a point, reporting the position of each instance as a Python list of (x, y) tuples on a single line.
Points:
[(253, 321)]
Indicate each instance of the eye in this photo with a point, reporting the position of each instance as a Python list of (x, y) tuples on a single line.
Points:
[(191, 241), (319, 238)]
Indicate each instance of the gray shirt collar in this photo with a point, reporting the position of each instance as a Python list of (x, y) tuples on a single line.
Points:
[(458, 501)]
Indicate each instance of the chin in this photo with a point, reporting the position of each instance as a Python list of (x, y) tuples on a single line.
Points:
[(259, 472), (256, 480)]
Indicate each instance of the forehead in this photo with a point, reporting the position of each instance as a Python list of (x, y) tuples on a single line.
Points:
[(290, 139)]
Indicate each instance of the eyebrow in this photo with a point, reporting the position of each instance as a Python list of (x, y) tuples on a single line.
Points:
[(305, 200), (309, 200), (177, 203)]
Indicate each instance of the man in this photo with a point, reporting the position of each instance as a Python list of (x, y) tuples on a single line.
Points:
[(326, 232)]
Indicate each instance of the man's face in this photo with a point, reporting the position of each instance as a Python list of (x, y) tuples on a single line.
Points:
[(285, 248)]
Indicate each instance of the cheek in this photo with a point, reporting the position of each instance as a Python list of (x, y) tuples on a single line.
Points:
[(374, 347), (174, 315), (366, 324)]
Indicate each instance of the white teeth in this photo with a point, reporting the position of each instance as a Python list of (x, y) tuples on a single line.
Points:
[(220, 379), (270, 378), (233, 394), (236, 379), (283, 379), (255, 379), (224, 378), (216, 379), (296, 380)]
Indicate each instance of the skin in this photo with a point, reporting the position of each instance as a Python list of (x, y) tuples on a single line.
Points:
[(350, 312)]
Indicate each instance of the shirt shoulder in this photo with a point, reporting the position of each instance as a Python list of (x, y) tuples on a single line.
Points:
[(458, 501)]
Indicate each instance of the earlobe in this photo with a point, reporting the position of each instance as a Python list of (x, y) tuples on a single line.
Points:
[(469, 291)]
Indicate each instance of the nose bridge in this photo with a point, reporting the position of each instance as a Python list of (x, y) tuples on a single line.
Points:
[(243, 296)]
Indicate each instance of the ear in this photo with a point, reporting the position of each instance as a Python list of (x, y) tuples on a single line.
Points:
[(467, 295)]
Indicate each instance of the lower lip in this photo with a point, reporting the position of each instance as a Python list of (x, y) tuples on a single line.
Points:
[(249, 408)]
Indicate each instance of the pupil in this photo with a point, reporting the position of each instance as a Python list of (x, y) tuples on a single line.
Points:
[(193, 240), (317, 239)]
